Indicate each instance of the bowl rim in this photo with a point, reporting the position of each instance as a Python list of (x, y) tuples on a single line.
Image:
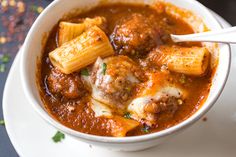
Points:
[(116, 140)]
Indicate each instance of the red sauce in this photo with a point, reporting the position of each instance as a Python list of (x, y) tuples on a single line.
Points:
[(76, 113)]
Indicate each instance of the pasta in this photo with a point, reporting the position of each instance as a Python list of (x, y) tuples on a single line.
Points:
[(120, 126), (100, 109), (190, 61), (117, 73), (81, 51), (69, 31)]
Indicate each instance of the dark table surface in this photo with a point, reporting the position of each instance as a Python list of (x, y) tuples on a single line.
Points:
[(15, 21)]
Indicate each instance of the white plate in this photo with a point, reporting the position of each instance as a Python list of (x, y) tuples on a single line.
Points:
[(31, 136)]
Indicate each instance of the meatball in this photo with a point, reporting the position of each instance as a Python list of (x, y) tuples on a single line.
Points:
[(135, 34), (70, 86), (115, 84), (166, 104), (161, 109)]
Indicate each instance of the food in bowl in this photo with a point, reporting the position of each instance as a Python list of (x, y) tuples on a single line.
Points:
[(114, 71)]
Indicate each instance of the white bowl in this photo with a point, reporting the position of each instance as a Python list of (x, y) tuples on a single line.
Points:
[(33, 48)]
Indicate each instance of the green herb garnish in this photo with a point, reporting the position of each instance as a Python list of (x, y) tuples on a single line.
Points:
[(2, 122), (58, 137), (145, 129), (84, 72), (2, 68), (127, 115), (5, 58), (34, 8), (37, 9), (104, 68)]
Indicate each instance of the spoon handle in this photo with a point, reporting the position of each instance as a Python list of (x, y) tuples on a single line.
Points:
[(227, 35)]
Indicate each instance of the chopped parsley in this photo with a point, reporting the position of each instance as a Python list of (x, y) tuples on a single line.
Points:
[(84, 72), (145, 129), (2, 68), (5, 58), (37, 9), (104, 68), (2, 122), (58, 137), (127, 115)]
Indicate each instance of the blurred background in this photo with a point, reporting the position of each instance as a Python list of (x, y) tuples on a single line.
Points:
[(225, 8), (16, 18)]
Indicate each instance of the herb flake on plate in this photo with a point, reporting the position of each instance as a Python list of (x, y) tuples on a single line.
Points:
[(37, 9), (5, 58), (2, 68), (2, 122), (58, 137)]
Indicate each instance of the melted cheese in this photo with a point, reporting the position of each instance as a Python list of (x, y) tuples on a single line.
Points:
[(100, 109), (153, 90), (136, 107)]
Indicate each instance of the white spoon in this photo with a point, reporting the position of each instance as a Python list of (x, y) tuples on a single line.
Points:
[(227, 35)]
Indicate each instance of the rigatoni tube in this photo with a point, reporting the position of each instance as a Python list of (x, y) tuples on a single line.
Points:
[(81, 51), (121, 126), (69, 31), (186, 60)]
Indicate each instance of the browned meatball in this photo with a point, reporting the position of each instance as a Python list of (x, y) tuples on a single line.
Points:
[(135, 34), (166, 104), (116, 84), (163, 109), (69, 86)]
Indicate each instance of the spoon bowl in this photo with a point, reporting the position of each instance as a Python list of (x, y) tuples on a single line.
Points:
[(227, 35)]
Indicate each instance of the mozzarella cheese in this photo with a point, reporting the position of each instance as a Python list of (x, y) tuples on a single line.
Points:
[(100, 109), (137, 106)]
